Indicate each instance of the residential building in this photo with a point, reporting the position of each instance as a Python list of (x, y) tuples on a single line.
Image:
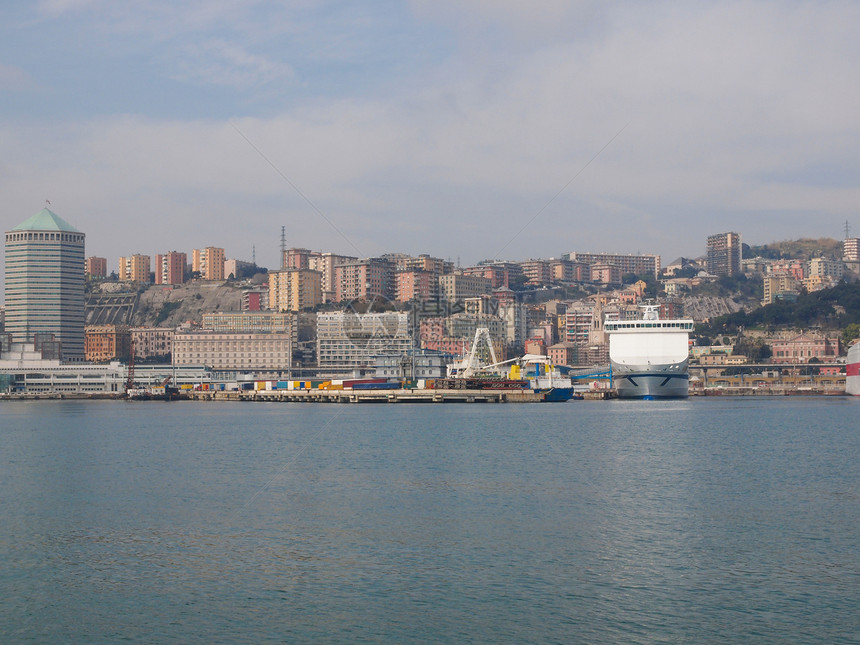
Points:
[(364, 280), (325, 263), (249, 321), (606, 274), (170, 267), (297, 259), (563, 353), (208, 262), (459, 286), (256, 299), (104, 343), (415, 285), (628, 263), (777, 286), (134, 268), (152, 342), (45, 280), (795, 268), (238, 269), (568, 271), (825, 268), (724, 254), (246, 351), (347, 341), (851, 249), (499, 273), (294, 289), (96, 267), (537, 272)]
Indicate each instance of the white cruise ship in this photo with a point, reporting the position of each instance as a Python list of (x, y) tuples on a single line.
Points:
[(649, 357), (852, 370)]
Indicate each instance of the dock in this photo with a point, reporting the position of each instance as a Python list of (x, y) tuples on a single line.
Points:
[(372, 396)]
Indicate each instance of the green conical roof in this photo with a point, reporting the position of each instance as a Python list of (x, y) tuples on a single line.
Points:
[(46, 220)]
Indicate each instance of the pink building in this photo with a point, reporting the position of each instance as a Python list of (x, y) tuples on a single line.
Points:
[(364, 280), (415, 285), (804, 347), (96, 267), (170, 268)]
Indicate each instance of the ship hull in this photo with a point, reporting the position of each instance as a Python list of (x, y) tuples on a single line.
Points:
[(651, 382), (852, 371)]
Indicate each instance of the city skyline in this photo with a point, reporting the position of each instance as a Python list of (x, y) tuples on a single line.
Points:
[(468, 131)]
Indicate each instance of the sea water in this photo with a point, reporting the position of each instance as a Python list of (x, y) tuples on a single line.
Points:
[(704, 520)]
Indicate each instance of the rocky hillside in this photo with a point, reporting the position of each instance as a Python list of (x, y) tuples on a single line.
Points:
[(163, 306)]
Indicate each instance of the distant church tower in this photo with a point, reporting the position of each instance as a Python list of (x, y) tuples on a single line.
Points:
[(45, 283)]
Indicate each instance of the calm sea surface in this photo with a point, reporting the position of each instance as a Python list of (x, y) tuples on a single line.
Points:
[(707, 520)]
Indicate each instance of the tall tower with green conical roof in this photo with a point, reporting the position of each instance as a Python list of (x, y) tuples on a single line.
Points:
[(45, 282)]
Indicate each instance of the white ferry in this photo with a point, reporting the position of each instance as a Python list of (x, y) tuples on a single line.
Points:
[(852, 370), (649, 358)]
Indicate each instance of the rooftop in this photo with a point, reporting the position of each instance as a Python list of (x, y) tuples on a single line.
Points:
[(46, 220)]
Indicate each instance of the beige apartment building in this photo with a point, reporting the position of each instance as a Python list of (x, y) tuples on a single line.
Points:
[(134, 268), (149, 342), (209, 262), (294, 289), (459, 286)]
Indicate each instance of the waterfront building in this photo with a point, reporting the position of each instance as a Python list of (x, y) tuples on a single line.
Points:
[(234, 351), (45, 280), (249, 321), (208, 262), (152, 342), (804, 347), (364, 280), (96, 267), (456, 287), (723, 253), (170, 268), (627, 263), (416, 364), (563, 353), (347, 341), (104, 343), (134, 268), (294, 289)]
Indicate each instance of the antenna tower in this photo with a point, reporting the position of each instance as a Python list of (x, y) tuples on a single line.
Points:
[(254, 254), (283, 247), (847, 230)]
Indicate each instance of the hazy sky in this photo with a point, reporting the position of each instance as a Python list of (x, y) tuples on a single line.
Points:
[(431, 126)]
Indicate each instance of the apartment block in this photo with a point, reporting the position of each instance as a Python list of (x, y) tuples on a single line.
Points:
[(134, 268), (851, 249), (208, 262), (825, 268), (777, 286), (325, 263), (455, 287), (234, 350), (606, 274), (415, 285), (152, 342), (627, 263), (96, 267), (724, 254), (294, 289), (104, 343), (255, 299), (249, 321), (170, 267), (537, 272), (802, 348), (364, 280), (237, 269), (499, 273)]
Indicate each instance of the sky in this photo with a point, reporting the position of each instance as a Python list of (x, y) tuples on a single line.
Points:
[(466, 129)]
